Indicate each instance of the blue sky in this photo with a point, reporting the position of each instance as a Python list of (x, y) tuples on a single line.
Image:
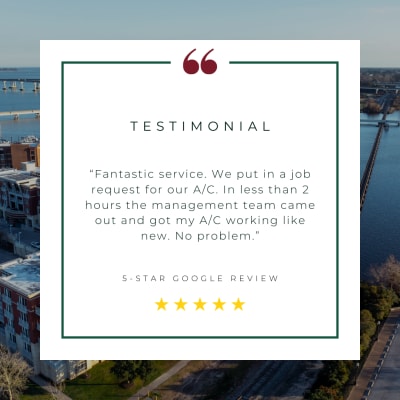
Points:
[(375, 23)]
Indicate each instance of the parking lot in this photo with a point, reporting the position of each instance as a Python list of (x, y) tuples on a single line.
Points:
[(18, 239)]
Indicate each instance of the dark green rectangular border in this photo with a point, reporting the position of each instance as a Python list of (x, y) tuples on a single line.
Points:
[(63, 63)]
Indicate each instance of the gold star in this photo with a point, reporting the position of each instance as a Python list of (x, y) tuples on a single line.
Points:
[(200, 304), (180, 304), (238, 304), (161, 304), (219, 304)]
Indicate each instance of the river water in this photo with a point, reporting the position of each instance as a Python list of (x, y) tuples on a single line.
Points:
[(11, 100), (380, 217)]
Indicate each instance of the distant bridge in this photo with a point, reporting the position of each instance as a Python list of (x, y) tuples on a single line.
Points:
[(377, 89), (16, 114), (13, 84), (378, 122), (20, 80), (374, 151)]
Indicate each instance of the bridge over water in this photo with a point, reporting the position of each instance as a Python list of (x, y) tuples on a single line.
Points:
[(371, 160), (377, 89), (379, 122), (12, 84), (37, 80), (17, 113)]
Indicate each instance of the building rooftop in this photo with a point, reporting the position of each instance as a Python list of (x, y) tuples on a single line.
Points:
[(22, 275), (31, 139), (19, 176)]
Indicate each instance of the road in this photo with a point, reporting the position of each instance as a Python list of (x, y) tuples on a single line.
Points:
[(379, 377), (385, 384)]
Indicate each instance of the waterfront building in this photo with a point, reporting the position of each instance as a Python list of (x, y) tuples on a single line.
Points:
[(20, 308), (20, 197), (14, 155), (5, 155), (20, 319), (25, 151)]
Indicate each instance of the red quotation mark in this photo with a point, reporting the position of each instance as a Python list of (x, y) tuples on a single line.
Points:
[(192, 66)]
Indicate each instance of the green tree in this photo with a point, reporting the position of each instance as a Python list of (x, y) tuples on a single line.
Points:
[(14, 373), (129, 370), (144, 369), (336, 373), (326, 393), (367, 323), (365, 341), (377, 299), (367, 330)]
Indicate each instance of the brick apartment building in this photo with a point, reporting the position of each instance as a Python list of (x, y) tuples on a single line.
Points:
[(20, 308), (20, 278), (24, 152), (12, 155), (20, 319)]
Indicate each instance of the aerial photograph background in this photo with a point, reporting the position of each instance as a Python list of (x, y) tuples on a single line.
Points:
[(375, 24)]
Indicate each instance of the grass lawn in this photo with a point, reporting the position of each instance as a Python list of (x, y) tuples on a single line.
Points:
[(35, 392), (101, 384)]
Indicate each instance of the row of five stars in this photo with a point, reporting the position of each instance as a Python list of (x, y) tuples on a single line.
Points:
[(180, 305)]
